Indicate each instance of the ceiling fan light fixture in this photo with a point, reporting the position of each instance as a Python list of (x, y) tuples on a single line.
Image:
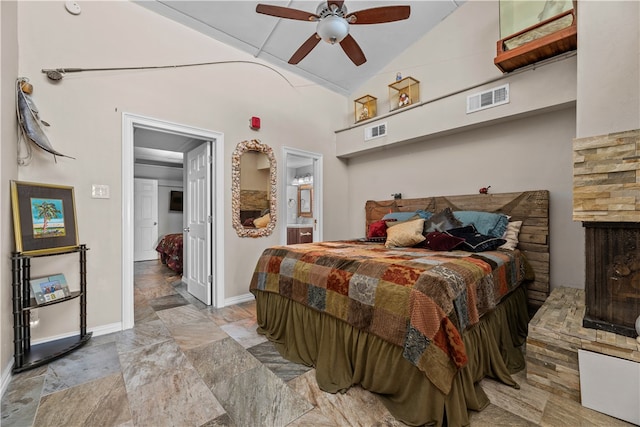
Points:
[(333, 29)]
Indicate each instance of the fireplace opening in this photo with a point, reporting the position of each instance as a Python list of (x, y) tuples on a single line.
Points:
[(612, 287)]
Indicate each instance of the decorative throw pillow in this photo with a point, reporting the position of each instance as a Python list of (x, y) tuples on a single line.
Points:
[(405, 216), (405, 234), (487, 223), (442, 221), (439, 241), (262, 221), (475, 241), (398, 216), (248, 222), (511, 235), (377, 229)]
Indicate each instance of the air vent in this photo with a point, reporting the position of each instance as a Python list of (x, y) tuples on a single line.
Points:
[(376, 131), (487, 99)]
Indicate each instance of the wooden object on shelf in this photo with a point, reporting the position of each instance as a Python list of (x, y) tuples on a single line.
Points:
[(403, 93), (365, 107), (27, 356), (297, 235), (546, 46)]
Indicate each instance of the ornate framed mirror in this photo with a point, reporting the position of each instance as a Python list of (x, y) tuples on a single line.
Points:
[(253, 189), (305, 201)]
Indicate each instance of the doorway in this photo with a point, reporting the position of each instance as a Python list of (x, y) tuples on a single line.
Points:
[(302, 169), (130, 123)]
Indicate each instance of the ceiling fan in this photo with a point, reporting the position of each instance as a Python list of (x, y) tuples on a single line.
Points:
[(333, 25)]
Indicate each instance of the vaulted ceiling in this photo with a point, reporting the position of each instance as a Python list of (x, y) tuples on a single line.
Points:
[(274, 40)]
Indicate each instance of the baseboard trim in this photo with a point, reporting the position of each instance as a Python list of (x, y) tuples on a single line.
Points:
[(239, 299), (6, 377)]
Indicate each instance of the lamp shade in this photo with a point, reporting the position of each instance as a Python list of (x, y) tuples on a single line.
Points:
[(333, 29)]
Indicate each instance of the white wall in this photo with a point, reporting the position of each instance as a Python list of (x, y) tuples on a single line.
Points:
[(168, 221), (8, 171), (526, 154), (608, 67), (85, 112)]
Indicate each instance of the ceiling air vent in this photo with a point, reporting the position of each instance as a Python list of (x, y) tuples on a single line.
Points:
[(487, 99), (375, 131)]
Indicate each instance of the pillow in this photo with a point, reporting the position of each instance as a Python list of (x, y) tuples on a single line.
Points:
[(405, 234), (262, 221), (475, 241), (398, 216), (439, 241), (442, 221), (511, 235), (406, 216), (487, 223), (377, 229), (392, 221), (248, 222)]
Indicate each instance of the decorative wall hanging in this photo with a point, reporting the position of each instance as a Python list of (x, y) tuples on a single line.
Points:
[(29, 120)]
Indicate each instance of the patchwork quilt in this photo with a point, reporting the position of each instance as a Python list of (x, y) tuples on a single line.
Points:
[(170, 249), (417, 299)]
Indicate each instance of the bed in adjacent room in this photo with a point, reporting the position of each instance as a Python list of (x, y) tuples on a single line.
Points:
[(170, 249), (432, 301)]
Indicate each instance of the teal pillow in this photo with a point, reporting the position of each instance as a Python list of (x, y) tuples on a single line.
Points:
[(405, 216), (487, 223)]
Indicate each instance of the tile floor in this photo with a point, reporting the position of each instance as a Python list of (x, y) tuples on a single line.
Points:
[(186, 364)]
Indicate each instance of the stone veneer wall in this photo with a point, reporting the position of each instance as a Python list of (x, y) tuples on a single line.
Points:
[(606, 177), (555, 336), (254, 200)]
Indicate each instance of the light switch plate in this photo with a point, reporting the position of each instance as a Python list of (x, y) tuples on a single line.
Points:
[(100, 191)]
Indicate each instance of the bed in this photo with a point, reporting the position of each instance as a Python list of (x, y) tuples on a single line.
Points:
[(170, 249), (419, 327)]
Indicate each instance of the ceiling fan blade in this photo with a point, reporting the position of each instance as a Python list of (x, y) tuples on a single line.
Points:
[(337, 3), (286, 12), (305, 49), (379, 15), (353, 51)]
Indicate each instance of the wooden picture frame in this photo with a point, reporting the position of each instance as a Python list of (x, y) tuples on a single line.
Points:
[(44, 218), (305, 201)]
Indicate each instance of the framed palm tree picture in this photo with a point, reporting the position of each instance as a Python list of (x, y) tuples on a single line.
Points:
[(44, 218)]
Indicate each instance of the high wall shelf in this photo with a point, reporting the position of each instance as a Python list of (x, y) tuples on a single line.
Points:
[(27, 356)]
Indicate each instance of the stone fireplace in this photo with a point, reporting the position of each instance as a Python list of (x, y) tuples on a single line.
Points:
[(606, 198)]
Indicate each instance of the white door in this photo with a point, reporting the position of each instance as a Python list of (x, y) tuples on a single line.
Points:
[(197, 233), (145, 211)]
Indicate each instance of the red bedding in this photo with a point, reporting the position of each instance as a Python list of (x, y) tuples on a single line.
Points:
[(170, 249)]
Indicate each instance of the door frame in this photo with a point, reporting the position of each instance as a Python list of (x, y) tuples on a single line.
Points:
[(318, 200), (129, 123)]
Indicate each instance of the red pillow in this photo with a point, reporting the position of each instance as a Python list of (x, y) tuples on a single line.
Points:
[(377, 229), (438, 241)]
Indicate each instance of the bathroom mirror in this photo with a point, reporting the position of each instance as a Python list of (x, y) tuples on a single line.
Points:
[(305, 201), (253, 189)]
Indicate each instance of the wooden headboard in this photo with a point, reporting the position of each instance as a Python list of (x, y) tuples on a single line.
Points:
[(530, 207)]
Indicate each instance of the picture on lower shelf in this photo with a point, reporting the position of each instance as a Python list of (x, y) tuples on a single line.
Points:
[(49, 288)]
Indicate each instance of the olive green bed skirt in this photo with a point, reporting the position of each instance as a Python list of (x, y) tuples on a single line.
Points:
[(344, 356)]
